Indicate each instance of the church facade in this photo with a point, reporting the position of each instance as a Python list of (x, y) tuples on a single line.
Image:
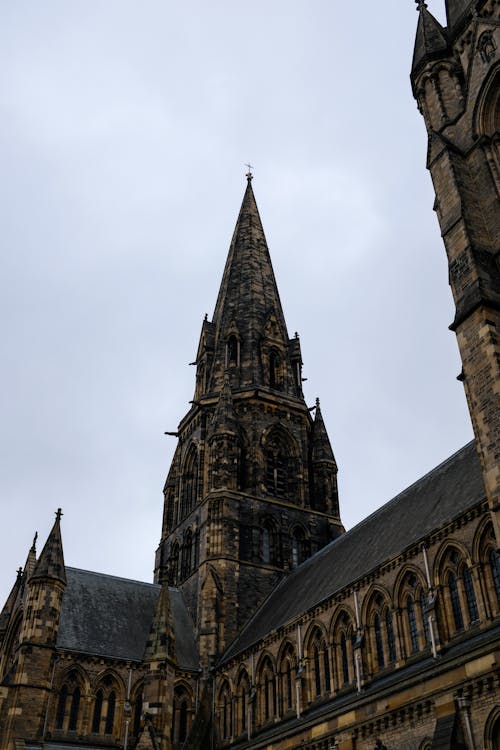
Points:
[(267, 624)]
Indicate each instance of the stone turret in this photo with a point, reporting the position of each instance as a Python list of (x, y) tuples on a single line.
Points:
[(456, 82)]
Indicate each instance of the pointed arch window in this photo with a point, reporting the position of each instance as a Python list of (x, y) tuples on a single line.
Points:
[(190, 482), (274, 369), (289, 685), (344, 658), (180, 715), (378, 641), (183, 722), (110, 715), (96, 718), (390, 636), (73, 711), (412, 623), (317, 670), (137, 714), (187, 551), (455, 601), (470, 595), (61, 707), (326, 669), (495, 572), (233, 351), (299, 551), (270, 550), (276, 469), (425, 617)]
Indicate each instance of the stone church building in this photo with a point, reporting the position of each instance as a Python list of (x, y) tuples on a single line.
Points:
[(267, 624)]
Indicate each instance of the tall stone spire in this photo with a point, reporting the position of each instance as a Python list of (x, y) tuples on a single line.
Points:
[(247, 337), (51, 561)]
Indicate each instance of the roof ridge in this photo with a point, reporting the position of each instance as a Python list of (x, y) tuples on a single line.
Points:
[(110, 575)]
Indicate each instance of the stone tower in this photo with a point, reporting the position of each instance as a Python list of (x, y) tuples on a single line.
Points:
[(456, 82), (252, 490)]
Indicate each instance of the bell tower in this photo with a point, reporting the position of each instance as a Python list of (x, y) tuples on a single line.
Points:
[(252, 489), (456, 81)]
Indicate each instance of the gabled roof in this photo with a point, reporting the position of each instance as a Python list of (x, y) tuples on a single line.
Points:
[(433, 501), (109, 616)]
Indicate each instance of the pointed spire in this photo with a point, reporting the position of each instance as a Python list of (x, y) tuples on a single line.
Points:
[(51, 561), (9, 605), (30, 564), (321, 447), (224, 419), (248, 304), (161, 641), (430, 39)]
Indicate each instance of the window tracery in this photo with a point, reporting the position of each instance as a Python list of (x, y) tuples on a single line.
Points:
[(105, 705), (181, 714), (68, 704)]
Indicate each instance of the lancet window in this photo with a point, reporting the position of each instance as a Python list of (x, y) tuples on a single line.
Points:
[(287, 673), (105, 705), (181, 715), (344, 639), (319, 664), (243, 702), (382, 643), (267, 691), (298, 547), (68, 704), (189, 482)]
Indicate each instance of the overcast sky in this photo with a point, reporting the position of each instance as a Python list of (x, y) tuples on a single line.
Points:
[(124, 130)]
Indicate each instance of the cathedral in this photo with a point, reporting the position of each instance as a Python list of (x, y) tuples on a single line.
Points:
[(267, 624)]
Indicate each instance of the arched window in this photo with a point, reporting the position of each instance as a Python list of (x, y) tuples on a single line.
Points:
[(68, 704), (243, 691), (344, 658), (412, 623), (173, 568), (233, 350), (455, 601), (495, 572), (378, 641), (187, 549), (136, 725), (299, 552), (180, 715), (425, 617), (390, 636), (317, 669), (73, 711), (110, 714), (189, 482), (268, 690), (470, 595), (274, 369), (61, 707), (96, 717), (276, 469), (270, 545)]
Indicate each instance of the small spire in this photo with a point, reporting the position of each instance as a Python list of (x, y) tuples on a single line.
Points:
[(33, 546), (51, 561), (317, 402), (249, 174), (19, 573)]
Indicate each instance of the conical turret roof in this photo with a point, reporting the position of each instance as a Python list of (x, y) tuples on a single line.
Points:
[(51, 561), (321, 446), (430, 39)]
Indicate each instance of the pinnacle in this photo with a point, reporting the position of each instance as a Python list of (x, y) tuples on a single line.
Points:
[(51, 561)]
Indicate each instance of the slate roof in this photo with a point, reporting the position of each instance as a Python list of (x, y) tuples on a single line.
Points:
[(108, 616), (440, 496)]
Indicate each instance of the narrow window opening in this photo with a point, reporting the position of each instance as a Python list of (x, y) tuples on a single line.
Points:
[(61, 707), (412, 624), (73, 711), (470, 595), (455, 602), (96, 719), (110, 716), (378, 642)]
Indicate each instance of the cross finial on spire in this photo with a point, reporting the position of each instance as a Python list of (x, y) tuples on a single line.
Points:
[(249, 174), (33, 546), (59, 513), (421, 4), (317, 402)]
